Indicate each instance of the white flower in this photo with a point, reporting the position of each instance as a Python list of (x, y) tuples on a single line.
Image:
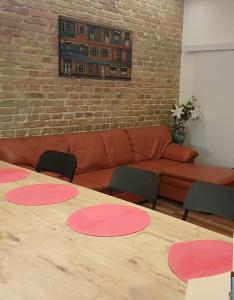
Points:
[(177, 111), (196, 113)]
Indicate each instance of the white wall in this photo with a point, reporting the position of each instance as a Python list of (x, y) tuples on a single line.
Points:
[(208, 21), (209, 75)]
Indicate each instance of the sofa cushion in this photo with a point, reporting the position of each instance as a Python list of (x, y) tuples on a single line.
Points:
[(48, 142), (95, 180), (27, 150), (149, 142), (155, 165), (117, 147), (180, 153), (89, 150), (196, 172), (17, 151)]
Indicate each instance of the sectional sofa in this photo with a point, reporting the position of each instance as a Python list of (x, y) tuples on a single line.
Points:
[(100, 152)]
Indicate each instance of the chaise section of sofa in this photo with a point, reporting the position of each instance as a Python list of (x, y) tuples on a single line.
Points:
[(99, 153), (175, 181)]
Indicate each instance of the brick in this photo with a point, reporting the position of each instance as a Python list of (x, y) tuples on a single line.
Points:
[(56, 109), (58, 130), (19, 118), (21, 103), (7, 133), (36, 95), (34, 131), (45, 117), (47, 131), (43, 14), (33, 124), (7, 103), (33, 117), (8, 110), (21, 132)]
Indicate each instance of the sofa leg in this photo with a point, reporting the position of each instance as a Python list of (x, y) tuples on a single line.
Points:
[(186, 211)]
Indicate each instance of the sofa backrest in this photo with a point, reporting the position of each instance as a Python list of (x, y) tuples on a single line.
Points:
[(94, 150), (117, 146), (89, 150), (27, 150), (149, 142)]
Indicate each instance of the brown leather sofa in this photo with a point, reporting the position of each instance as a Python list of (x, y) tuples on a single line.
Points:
[(99, 153)]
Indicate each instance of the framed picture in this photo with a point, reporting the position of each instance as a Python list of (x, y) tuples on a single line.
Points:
[(94, 51)]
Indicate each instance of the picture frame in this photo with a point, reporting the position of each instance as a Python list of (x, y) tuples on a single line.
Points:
[(94, 51)]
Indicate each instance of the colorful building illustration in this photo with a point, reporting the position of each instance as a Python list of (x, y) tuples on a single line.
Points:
[(87, 50)]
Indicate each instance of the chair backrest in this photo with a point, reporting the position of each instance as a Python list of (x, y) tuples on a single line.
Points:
[(136, 181), (211, 198), (57, 162)]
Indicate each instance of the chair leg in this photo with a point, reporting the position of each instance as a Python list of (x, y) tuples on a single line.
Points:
[(154, 204), (186, 211), (110, 192)]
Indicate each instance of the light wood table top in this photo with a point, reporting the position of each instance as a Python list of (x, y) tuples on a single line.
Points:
[(43, 259)]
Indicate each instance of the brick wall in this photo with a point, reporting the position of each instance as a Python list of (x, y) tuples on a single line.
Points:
[(35, 101)]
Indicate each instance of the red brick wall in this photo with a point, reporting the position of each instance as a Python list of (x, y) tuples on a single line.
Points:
[(35, 101)]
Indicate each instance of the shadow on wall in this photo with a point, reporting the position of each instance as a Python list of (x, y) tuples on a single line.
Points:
[(192, 129), (192, 134)]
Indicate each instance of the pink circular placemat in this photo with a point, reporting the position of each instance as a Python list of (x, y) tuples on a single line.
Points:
[(108, 220), (202, 258), (12, 174), (41, 194)]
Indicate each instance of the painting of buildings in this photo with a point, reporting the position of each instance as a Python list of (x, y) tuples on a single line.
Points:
[(93, 51)]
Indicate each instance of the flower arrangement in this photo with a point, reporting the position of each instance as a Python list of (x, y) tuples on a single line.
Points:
[(191, 110)]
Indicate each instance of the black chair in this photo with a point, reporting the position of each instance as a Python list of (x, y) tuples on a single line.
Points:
[(57, 162), (135, 181), (210, 198)]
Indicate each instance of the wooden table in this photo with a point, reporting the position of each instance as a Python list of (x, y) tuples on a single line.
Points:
[(42, 259)]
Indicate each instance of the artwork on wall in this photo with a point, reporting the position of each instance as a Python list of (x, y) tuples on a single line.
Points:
[(94, 51)]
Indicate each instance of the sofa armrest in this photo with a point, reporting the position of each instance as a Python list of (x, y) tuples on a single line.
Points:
[(180, 153)]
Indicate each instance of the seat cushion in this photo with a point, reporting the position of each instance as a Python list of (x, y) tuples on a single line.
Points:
[(52, 174), (118, 147), (155, 165), (95, 180), (26, 167), (89, 151), (55, 175), (149, 142), (196, 172), (181, 183), (128, 197)]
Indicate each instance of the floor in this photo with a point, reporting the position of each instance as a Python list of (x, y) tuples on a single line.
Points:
[(211, 222)]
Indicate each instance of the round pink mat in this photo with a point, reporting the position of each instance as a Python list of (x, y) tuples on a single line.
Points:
[(12, 174), (200, 258), (41, 194), (108, 220)]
